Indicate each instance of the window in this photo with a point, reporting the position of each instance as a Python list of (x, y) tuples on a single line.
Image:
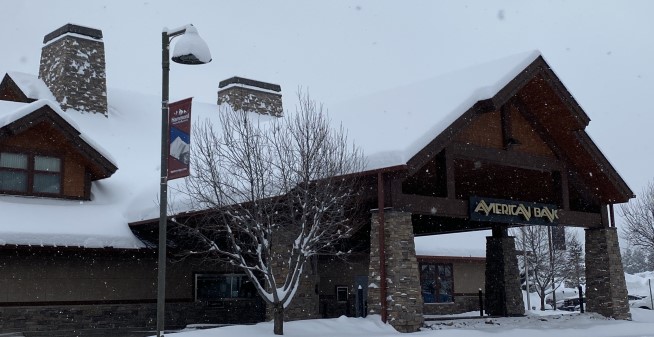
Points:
[(213, 287), (341, 293), (436, 282), (30, 174)]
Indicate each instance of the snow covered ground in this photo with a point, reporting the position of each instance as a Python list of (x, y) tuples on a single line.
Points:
[(535, 324)]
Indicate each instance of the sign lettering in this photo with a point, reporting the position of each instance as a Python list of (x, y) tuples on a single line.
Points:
[(509, 211)]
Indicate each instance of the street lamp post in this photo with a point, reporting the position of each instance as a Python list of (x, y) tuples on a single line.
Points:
[(190, 49)]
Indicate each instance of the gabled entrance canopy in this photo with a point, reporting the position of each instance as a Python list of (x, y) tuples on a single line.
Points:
[(527, 142), (516, 153)]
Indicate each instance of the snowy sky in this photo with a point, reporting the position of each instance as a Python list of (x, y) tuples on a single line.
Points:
[(339, 50)]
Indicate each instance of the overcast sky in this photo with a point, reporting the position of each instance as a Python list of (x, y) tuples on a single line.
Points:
[(602, 50)]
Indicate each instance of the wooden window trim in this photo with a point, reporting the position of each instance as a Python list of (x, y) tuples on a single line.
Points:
[(31, 172)]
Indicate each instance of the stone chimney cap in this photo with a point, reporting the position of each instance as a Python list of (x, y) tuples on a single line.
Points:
[(73, 28), (248, 82)]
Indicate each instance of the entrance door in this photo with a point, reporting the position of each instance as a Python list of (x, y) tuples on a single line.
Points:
[(361, 297)]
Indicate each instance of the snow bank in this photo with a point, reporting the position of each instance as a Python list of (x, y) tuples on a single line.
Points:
[(342, 326), (534, 325), (638, 284)]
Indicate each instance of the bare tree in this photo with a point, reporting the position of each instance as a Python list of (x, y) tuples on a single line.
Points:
[(279, 191), (544, 271), (638, 215)]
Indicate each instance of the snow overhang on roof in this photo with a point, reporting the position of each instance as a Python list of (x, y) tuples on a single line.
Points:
[(393, 125), (30, 85), (407, 126), (25, 116)]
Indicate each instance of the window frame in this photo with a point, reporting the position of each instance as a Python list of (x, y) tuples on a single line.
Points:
[(216, 275), (451, 280), (32, 172), (347, 294)]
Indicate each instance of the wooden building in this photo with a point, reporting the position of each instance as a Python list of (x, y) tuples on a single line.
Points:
[(491, 147)]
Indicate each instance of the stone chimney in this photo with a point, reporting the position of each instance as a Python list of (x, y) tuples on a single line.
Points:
[(250, 95), (73, 67)]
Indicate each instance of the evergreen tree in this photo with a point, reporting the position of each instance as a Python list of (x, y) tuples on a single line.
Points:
[(635, 260), (575, 263)]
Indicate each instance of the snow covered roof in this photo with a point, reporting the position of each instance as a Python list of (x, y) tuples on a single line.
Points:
[(390, 127), (469, 244), (15, 112), (32, 86), (393, 125)]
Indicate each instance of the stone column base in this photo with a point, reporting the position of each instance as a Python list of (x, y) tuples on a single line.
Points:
[(403, 297), (503, 292), (606, 289)]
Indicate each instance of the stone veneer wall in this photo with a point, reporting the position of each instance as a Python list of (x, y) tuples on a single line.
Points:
[(73, 68), (606, 290), (73, 320), (306, 303), (250, 99), (461, 304), (503, 292), (404, 301)]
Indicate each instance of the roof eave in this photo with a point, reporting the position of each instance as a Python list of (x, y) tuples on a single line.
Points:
[(104, 165)]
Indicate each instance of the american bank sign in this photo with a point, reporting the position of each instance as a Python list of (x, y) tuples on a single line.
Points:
[(510, 211)]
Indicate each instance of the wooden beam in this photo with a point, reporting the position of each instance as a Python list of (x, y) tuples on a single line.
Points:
[(456, 208), (450, 176), (505, 158), (579, 219), (565, 188), (436, 206), (507, 132)]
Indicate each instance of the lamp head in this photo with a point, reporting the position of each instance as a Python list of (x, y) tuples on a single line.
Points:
[(191, 49)]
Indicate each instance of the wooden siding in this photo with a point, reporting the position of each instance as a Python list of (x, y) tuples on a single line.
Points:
[(43, 276), (530, 141), (485, 130), (47, 140)]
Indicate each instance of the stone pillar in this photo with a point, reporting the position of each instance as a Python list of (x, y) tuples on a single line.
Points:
[(503, 291), (606, 290), (403, 298)]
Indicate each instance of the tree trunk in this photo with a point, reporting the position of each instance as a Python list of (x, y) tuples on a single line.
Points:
[(278, 318), (542, 300)]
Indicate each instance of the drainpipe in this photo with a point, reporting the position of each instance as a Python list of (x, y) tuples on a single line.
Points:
[(382, 246)]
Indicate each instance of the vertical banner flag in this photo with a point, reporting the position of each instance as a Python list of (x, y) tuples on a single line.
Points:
[(179, 131)]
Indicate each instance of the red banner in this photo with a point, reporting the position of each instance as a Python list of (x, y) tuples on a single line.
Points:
[(179, 132)]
